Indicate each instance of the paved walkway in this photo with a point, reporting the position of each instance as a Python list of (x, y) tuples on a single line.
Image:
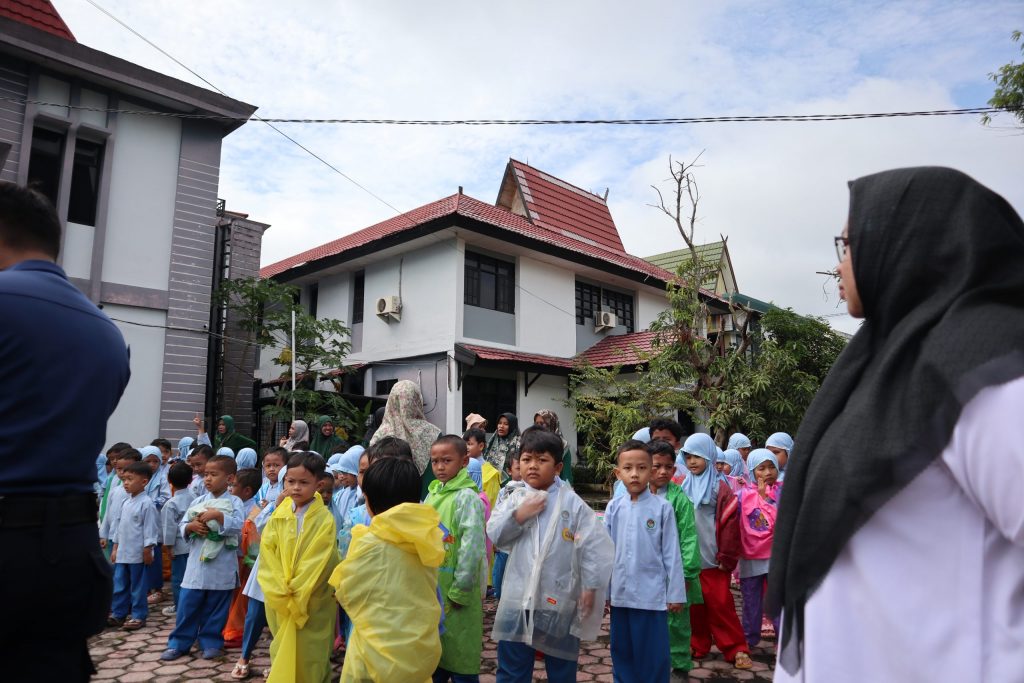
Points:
[(134, 656)]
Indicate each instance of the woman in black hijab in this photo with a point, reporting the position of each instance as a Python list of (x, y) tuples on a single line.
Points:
[(899, 544)]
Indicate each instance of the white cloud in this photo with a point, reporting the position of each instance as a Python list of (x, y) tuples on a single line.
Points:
[(778, 190)]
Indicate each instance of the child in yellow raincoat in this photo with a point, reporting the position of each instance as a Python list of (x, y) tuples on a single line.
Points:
[(297, 555), (387, 584)]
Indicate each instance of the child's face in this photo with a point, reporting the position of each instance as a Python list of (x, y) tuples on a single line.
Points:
[(199, 464), (272, 465), (300, 485), (325, 487), (474, 447), (723, 467), (666, 436), (781, 454), (216, 478), (766, 471), (696, 464), (165, 454), (153, 461), (446, 461), (634, 471), (744, 452), (514, 473), (539, 470), (134, 484), (345, 479), (663, 467), (364, 462)]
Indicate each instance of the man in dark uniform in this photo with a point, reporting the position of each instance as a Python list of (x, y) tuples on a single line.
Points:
[(63, 368)]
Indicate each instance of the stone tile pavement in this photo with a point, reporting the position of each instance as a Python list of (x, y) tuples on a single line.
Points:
[(128, 657)]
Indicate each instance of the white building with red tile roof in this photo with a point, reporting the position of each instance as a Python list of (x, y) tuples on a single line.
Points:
[(486, 306)]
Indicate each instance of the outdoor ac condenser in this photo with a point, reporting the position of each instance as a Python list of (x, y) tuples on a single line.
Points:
[(603, 320), (389, 308)]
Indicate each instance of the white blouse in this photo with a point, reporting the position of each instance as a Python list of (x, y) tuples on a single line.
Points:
[(931, 588)]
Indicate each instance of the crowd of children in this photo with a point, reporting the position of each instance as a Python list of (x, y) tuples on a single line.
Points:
[(338, 552)]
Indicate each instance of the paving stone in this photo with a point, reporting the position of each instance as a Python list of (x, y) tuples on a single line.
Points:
[(136, 677), (144, 666), (106, 674), (200, 663), (171, 670)]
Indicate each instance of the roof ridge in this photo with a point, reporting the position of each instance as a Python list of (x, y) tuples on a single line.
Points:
[(562, 183)]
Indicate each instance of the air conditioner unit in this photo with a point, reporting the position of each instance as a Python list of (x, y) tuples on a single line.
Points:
[(389, 308), (604, 320)]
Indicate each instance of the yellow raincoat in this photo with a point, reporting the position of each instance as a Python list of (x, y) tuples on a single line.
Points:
[(387, 585), (293, 573)]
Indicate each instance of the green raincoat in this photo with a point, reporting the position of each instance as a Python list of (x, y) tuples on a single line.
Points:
[(230, 438), (679, 622), (324, 445), (462, 516)]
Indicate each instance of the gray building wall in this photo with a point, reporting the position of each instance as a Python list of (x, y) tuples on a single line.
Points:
[(183, 392), (488, 325), (13, 84), (240, 358)]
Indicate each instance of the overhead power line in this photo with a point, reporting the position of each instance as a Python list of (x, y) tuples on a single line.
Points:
[(669, 121)]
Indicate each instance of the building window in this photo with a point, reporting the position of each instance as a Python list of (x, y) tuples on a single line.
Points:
[(314, 296), (45, 161), (489, 397), (490, 283), (383, 386), (358, 289), (85, 182), (591, 299)]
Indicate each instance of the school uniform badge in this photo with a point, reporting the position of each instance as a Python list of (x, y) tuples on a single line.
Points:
[(568, 535), (650, 524)]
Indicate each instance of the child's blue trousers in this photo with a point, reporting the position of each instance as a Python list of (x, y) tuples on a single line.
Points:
[(130, 591), (639, 644), (255, 622), (155, 571), (201, 616), (178, 565), (515, 665)]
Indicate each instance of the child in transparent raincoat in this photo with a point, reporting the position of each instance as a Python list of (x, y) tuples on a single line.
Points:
[(388, 582), (560, 561)]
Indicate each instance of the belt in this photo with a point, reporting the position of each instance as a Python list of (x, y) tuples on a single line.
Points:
[(25, 512)]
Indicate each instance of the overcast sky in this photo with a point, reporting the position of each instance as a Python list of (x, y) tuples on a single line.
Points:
[(777, 190)]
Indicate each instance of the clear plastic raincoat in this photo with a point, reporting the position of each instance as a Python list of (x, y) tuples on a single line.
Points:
[(387, 585), (547, 570), (297, 556)]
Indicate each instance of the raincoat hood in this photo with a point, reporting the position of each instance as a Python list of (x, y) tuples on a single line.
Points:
[(147, 451), (413, 528), (460, 481)]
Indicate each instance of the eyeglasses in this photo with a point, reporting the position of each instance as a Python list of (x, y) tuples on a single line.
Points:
[(842, 244)]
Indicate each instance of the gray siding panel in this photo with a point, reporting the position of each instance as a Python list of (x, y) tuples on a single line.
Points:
[(192, 244), (13, 84)]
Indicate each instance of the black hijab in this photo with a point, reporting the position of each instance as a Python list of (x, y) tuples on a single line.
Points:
[(939, 265)]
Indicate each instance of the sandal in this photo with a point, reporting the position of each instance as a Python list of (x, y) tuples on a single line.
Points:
[(240, 672), (133, 624), (742, 661)]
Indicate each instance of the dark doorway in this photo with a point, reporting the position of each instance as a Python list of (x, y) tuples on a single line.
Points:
[(489, 397)]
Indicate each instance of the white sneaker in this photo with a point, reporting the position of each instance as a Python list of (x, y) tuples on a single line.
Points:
[(169, 611)]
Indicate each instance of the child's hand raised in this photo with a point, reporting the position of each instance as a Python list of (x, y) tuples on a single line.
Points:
[(531, 506)]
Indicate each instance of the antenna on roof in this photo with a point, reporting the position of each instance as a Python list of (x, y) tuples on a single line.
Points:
[(606, 193), (460, 189)]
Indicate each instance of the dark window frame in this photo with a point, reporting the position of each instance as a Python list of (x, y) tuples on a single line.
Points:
[(86, 171), (591, 299), (489, 283), (382, 387), (44, 167), (358, 296)]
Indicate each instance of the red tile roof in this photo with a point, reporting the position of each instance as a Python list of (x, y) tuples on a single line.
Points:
[(39, 14), (562, 208), (468, 207), (623, 349)]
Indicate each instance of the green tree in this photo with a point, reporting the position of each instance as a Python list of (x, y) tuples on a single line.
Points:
[(263, 309), (1009, 80), (710, 358)]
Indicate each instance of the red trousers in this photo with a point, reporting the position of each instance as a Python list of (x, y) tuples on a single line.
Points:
[(716, 619)]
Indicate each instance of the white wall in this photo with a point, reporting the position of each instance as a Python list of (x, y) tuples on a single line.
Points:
[(548, 392), (648, 306), (334, 299), (545, 313), (140, 214), (137, 418), (428, 290), (76, 257)]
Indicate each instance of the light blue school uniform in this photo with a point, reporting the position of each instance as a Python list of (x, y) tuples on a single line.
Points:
[(198, 486), (159, 489), (137, 527), (648, 569), (220, 573), (115, 499), (171, 516)]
